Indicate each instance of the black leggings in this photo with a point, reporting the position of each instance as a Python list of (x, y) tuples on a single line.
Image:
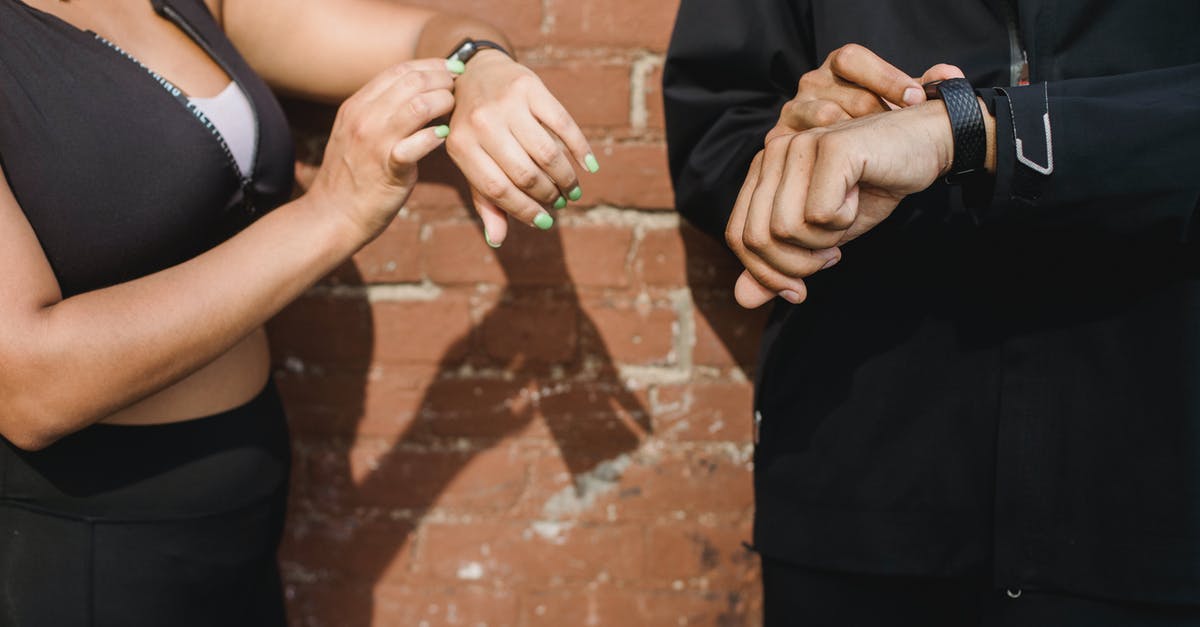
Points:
[(796, 596), (173, 524)]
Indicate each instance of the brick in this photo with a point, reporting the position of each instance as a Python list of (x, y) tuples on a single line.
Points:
[(456, 253), (633, 336), (602, 418), (687, 256), (353, 547), (693, 481), (717, 411), (596, 95), (655, 119), (323, 604), (727, 335), (393, 257), (382, 402), (399, 475), (519, 20), (609, 605), (515, 552), (631, 175), (474, 408), (595, 254), (352, 333), (706, 555), (519, 333), (663, 485), (617, 24)]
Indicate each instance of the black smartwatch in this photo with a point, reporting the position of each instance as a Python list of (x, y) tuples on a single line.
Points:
[(471, 47), (966, 123)]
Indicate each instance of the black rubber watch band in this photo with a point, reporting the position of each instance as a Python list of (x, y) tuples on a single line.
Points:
[(966, 123), (471, 47)]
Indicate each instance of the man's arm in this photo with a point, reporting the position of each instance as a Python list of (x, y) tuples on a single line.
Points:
[(731, 66), (1115, 139)]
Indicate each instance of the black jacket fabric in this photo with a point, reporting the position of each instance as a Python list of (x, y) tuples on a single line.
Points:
[(1012, 386)]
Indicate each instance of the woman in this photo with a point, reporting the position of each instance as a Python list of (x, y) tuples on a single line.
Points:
[(146, 240)]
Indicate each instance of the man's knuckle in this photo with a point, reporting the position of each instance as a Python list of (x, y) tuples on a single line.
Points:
[(826, 113), (756, 241)]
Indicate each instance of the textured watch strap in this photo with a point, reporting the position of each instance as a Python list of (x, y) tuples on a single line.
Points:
[(471, 47), (966, 123)]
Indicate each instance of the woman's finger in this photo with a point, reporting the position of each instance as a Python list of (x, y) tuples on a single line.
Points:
[(495, 221), (550, 112), (410, 150), (486, 177), (408, 113), (432, 76), (549, 154), (514, 159)]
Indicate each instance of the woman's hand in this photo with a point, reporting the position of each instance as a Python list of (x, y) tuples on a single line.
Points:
[(515, 143), (380, 134)]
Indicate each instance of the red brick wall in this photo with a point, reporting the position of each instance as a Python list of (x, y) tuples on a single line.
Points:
[(555, 433)]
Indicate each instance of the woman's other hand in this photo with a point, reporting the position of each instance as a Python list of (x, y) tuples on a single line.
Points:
[(516, 144), (380, 134)]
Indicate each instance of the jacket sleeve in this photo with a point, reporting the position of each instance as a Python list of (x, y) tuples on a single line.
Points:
[(1124, 143), (731, 66)]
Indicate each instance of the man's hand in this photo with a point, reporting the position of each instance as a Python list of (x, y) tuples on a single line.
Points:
[(852, 83), (810, 192)]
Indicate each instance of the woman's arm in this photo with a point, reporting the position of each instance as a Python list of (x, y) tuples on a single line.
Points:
[(65, 364), (325, 50), (519, 149)]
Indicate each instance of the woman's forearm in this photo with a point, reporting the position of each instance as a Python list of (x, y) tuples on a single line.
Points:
[(115, 346), (445, 31)]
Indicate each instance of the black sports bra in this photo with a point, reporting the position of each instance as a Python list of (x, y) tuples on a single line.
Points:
[(117, 175)]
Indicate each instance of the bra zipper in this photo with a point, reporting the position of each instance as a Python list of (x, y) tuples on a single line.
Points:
[(243, 181), (186, 27)]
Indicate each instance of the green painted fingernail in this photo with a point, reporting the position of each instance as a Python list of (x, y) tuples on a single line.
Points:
[(442, 131), (560, 203), (455, 66), (543, 221), (488, 238), (575, 194), (593, 166)]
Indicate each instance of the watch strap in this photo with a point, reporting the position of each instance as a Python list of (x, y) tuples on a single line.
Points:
[(966, 125), (471, 47)]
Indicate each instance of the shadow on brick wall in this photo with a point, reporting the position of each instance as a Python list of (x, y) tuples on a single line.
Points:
[(385, 437)]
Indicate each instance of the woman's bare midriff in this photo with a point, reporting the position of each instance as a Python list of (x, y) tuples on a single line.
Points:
[(231, 381)]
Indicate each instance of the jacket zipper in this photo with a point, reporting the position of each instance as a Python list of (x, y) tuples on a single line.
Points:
[(1018, 68)]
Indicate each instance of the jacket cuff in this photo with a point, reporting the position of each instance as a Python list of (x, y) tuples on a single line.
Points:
[(1024, 145)]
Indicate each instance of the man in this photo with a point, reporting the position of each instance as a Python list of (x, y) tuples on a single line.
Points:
[(978, 398)]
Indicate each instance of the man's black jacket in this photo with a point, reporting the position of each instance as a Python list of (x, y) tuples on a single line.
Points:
[(1014, 386)]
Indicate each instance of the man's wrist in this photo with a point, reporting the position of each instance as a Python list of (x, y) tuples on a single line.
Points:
[(989, 125)]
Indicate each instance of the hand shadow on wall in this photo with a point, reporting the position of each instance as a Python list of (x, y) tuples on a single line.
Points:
[(354, 512)]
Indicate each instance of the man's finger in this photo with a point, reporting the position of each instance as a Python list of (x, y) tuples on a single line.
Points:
[(862, 67), (941, 72), (751, 294)]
